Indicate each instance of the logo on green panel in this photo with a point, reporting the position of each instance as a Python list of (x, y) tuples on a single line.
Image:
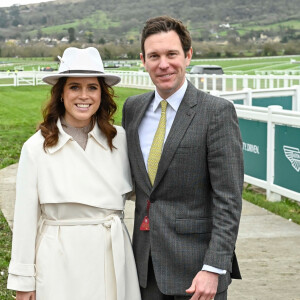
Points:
[(293, 155), (287, 157), (254, 136), (251, 148)]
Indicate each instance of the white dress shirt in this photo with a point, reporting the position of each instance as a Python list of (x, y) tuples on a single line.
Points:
[(151, 119), (149, 126)]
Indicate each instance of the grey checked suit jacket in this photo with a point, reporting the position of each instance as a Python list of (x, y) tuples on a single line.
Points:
[(196, 197)]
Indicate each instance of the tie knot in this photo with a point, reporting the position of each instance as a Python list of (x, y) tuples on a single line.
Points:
[(163, 104)]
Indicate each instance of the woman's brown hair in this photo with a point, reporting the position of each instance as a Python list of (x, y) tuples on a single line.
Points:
[(55, 109)]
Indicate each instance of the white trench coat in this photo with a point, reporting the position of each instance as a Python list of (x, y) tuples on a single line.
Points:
[(69, 239)]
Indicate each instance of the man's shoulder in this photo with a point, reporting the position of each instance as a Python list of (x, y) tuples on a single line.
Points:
[(218, 100), (203, 97), (213, 101)]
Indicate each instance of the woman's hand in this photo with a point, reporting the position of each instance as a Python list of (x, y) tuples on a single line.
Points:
[(25, 295)]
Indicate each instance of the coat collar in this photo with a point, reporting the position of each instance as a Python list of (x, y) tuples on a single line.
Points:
[(99, 137), (63, 138), (184, 116), (139, 111)]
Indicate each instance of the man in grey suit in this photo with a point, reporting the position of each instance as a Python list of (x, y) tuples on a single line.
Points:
[(185, 152)]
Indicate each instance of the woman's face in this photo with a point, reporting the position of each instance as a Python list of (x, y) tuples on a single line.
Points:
[(82, 98)]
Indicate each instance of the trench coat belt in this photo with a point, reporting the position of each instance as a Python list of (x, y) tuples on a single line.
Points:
[(113, 222)]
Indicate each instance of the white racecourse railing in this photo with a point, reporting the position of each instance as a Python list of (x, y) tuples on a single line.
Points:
[(247, 95), (215, 82), (142, 80), (273, 115)]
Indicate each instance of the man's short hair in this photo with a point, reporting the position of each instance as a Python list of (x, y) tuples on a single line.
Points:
[(166, 24)]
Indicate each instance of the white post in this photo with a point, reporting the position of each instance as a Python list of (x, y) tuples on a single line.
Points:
[(214, 84), (15, 79), (143, 80), (196, 82), (248, 98), (224, 83), (234, 78), (205, 82), (245, 81), (271, 196), (258, 82), (285, 81), (131, 79), (122, 78), (36, 80), (149, 81), (296, 98), (271, 86), (125, 79)]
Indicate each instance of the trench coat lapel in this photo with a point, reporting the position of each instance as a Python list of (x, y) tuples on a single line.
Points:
[(183, 118), (140, 110)]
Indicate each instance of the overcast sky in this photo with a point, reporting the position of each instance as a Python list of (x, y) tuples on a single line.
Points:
[(6, 3)]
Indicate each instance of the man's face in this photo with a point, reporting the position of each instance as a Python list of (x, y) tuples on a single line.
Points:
[(165, 62)]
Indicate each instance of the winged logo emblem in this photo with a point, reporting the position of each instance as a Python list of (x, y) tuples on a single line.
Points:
[(293, 155)]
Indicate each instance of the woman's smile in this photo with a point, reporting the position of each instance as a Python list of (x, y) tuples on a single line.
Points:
[(82, 98)]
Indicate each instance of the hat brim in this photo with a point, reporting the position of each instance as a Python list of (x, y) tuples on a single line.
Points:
[(109, 78)]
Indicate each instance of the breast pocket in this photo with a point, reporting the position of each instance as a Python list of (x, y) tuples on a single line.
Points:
[(190, 226)]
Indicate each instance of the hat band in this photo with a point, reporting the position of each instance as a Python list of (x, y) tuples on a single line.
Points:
[(81, 71)]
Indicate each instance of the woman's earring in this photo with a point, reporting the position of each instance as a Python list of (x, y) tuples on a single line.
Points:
[(61, 99)]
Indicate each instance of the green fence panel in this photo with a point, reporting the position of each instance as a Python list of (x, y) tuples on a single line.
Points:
[(254, 136), (238, 101), (286, 102), (287, 157)]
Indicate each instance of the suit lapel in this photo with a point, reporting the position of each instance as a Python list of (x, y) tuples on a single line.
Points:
[(140, 110), (184, 116)]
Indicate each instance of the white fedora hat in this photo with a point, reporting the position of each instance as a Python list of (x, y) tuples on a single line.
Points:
[(81, 63)]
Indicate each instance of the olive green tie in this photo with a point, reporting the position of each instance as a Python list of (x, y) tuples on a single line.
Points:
[(157, 144)]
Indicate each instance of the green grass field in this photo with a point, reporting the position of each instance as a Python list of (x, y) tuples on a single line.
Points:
[(249, 66), (21, 112), (26, 64)]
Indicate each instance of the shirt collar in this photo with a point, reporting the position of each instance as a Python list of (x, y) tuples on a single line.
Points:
[(63, 138), (174, 100)]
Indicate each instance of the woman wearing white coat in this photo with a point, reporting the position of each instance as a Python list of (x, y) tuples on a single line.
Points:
[(69, 239)]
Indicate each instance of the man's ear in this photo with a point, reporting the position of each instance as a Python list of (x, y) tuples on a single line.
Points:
[(143, 60), (189, 55)]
